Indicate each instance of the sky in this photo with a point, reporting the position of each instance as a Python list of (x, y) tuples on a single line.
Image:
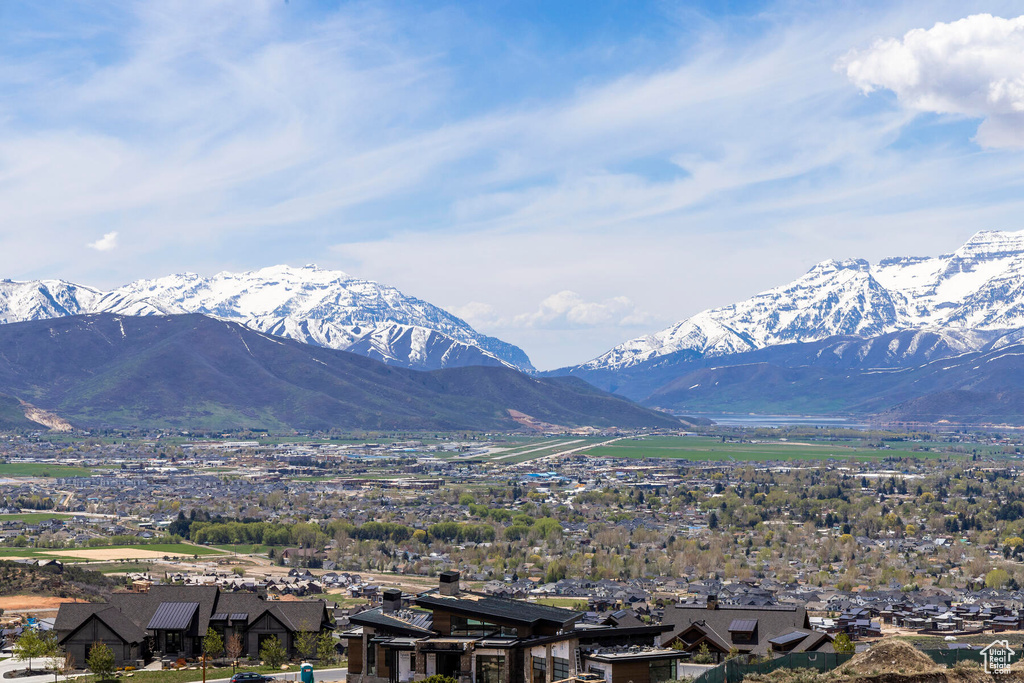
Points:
[(563, 175)]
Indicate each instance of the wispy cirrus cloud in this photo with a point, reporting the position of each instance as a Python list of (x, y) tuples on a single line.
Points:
[(687, 164), (561, 310)]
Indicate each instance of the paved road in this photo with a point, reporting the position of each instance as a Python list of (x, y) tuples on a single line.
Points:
[(318, 676), (13, 664)]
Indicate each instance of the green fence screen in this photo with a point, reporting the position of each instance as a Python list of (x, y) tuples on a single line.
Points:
[(734, 670)]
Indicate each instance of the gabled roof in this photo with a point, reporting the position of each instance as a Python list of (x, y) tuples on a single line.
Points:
[(73, 616)]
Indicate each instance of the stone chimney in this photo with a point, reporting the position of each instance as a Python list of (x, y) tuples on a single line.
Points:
[(392, 600), (449, 583), (713, 601)]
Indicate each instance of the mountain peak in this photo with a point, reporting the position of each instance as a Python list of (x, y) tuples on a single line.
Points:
[(975, 288), (992, 243), (326, 308)]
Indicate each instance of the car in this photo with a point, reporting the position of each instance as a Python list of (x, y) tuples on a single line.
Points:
[(250, 677)]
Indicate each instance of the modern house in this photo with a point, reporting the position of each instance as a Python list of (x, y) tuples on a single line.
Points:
[(478, 638), (170, 622)]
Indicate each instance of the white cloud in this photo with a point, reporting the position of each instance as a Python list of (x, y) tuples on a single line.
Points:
[(569, 309), (972, 67), (562, 310), (106, 243)]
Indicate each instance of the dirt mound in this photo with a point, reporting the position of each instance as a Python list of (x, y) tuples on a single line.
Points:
[(890, 656)]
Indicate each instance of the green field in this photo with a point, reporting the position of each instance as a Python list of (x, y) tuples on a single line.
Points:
[(30, 469), (170, 549), (705, 448), (565, 603), (34, 517), (243, 549)]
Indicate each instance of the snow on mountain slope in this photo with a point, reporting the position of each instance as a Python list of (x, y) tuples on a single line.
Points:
[(980, 286), (321, 307)]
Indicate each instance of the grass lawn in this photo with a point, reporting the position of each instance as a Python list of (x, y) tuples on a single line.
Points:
[(185, 675), (34, 517), (339, 599), (31, 469)]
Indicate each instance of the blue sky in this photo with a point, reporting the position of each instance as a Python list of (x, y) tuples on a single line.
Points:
[(565, 175)]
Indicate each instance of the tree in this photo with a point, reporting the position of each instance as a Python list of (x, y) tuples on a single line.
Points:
[(233, 648), (273, 652), (997, 578), (29, 645), (305, 643), (843, 645), (325, 651), (213, 644), (703, 655), (100, 660)]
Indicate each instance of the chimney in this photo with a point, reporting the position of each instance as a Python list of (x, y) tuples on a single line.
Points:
[(449, 583), (713, 601), (392, 601)]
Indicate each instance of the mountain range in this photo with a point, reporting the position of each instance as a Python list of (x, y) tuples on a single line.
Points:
[(192, 371), (908, 338), (321, 307), (847, 337)]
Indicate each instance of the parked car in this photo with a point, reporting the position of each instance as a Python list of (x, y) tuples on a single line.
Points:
[(250, 677)]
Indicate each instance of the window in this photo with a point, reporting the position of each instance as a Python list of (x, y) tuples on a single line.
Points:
[(490, 669), (664, 670), (412, 661), (462, 626), (371, 659), (172, 642), (540, 669), (559, 669)]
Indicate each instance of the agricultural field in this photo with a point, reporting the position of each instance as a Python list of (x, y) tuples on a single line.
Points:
[(29, 469), (113, 552), (34, 517), (703, 448)]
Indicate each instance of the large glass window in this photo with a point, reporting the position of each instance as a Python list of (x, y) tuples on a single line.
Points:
[(462, 626), (665, 670), (559, 669), (490, 669), (540, 669), (371, 659)]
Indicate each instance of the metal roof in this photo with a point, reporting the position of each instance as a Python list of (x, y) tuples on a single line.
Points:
[(515, 611), (236, 616), (791, 637), (173, 616), (743, 625), (219, 616)]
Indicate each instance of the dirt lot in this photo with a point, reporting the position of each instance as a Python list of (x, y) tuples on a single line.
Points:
[(15, 603)]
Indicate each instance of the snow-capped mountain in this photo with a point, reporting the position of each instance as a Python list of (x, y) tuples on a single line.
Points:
[(979, 287), (321, 307)]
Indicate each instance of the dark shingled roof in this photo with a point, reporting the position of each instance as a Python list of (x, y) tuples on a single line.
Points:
[(771, 621), (72, 616), (168, 607), (514, 611)]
